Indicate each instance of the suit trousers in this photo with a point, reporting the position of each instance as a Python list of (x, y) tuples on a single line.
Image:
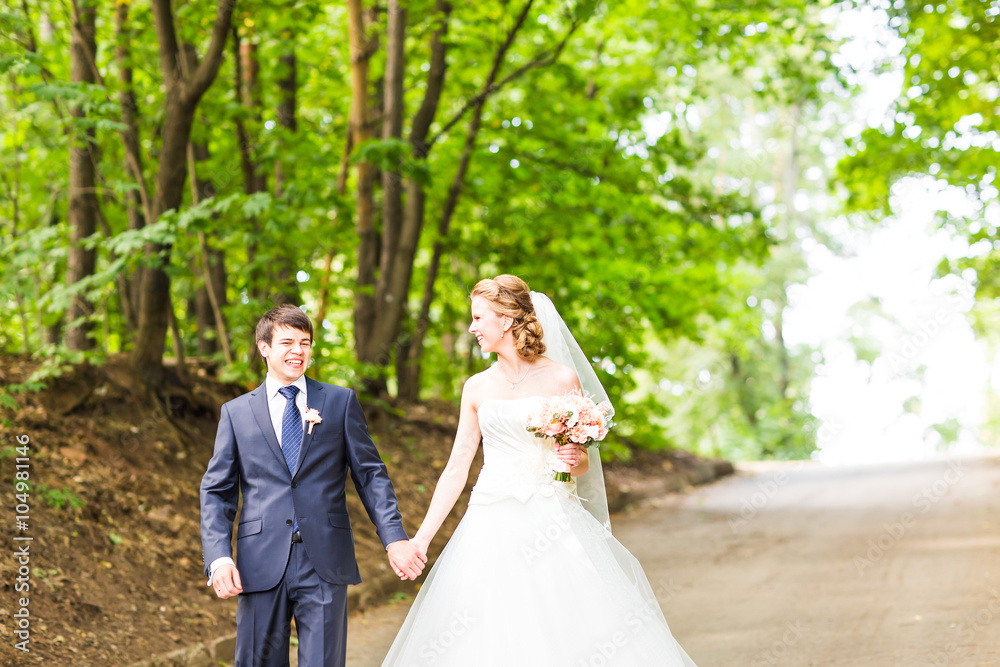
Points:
[(320, 611)]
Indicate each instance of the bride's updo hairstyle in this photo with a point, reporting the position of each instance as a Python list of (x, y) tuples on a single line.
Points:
[(509, 295)]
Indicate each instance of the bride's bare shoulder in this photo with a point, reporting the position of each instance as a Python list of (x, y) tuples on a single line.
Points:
[(477, 380), (564, 376), (474, 386)]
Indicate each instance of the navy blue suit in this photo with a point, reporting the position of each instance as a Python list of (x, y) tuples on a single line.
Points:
[(272, 570)]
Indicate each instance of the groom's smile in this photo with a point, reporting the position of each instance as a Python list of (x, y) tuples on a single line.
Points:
[(288, 354)]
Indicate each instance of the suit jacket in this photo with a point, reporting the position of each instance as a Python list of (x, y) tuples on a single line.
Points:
[(248, 458)]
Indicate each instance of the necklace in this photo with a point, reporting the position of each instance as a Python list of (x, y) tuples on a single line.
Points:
[(514, 383)]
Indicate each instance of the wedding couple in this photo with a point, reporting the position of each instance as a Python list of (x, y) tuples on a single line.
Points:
[(532, 576)]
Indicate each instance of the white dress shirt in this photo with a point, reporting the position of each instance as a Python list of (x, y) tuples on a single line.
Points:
[(276, 404)]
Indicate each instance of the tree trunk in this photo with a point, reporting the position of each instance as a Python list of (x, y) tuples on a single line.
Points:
[(397, 262), (286, 105), (82, 182), (52, 330), (247, 87), (209, 299), (364, 303), (182, 97), (213, 288), (409, 390), (247, 165), (136, 200), (211, 296), (392, 128), (250, 66), (155, 307), (175, 336), (246, 146), (409, 386), (200, 309), (323, 299), (286, 288)]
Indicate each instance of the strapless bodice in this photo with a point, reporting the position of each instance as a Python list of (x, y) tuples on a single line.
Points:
[(515, 462)]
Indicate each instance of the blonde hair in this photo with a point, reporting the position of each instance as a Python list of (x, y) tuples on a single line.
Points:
[(509, 295)]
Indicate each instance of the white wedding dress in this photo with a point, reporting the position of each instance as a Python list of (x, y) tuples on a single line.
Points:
[(530, 578)]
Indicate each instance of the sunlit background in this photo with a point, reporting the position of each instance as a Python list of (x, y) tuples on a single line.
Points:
[(898, 371), (899, 356), (903, 376), (773, 227)]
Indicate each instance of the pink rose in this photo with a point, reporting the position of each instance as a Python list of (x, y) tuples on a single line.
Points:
[(553, 428)]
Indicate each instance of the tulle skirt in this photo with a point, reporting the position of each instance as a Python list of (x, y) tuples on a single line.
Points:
[(535, 583)]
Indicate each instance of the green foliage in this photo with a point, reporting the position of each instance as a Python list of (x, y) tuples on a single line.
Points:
[(59, 498), (392, 154), (615, 178), (7, 401), (8, 392), (943, 127), (947, 432)]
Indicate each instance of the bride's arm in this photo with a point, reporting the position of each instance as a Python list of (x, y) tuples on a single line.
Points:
[(452, 481)]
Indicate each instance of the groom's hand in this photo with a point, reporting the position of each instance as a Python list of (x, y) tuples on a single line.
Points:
[(406, 559), (226, 581)]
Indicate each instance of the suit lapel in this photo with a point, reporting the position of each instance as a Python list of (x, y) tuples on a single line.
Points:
[(262, 415), (315, 399)]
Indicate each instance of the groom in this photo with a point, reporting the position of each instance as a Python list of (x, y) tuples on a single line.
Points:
[(288, 446)]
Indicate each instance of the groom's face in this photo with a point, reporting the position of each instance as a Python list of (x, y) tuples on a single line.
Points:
[(288, 354)]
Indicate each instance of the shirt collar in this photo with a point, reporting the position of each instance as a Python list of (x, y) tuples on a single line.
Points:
[(271, 385)]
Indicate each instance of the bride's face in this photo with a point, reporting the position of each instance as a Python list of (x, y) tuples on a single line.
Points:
[(487, 324)]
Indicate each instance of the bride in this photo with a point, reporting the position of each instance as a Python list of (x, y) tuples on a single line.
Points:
[(532, 576)]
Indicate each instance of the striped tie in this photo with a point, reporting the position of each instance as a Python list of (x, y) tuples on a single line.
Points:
[(291, 433)]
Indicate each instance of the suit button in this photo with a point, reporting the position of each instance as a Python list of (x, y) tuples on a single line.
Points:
[(294, 485), (288, 522)]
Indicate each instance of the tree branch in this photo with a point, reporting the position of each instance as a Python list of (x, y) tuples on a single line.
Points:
[(32, 45), (47, 75), (542, 60), (166, 37), (209, 67), (435, 83)]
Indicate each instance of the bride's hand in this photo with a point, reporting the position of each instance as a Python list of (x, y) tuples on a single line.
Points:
[(570, 454), (422, 544)]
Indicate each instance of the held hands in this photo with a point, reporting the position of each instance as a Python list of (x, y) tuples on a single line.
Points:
[(406, 558), (226, 581), (422, 544)]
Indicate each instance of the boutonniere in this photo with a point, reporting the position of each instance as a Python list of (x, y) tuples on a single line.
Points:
[(312, 416)]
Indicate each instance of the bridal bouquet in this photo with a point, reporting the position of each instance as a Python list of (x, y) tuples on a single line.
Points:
[(571, 418)]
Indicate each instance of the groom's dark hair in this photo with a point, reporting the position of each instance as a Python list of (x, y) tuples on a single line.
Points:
[(287, 315)]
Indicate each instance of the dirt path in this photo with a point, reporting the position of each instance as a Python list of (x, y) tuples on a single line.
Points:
[(797, 564)]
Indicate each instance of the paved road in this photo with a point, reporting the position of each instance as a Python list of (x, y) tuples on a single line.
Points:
[(798, 564)]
